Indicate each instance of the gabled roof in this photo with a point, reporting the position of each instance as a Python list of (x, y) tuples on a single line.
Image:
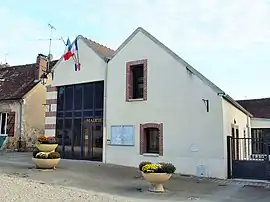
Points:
[(102, 51), (260, 108), (16, 81), (184, 63)]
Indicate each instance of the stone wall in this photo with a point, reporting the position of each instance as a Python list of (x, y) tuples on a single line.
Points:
[(12, 106)]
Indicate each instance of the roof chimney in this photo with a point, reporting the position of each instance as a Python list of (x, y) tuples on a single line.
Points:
[(42, 63)]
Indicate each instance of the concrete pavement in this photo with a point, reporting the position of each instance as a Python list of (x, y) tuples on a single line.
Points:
[(126, 182)]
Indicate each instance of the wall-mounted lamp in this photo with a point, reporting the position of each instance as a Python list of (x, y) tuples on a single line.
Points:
[(234, 121), (206, 103), (44, 78)]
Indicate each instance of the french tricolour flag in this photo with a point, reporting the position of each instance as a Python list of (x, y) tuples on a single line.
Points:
[(71, 49)]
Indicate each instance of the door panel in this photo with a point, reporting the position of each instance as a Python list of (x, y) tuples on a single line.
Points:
[(77, 139), (97, 142), (86, 148), (93, 141)]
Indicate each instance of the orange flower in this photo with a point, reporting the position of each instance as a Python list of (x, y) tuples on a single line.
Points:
[(42, 138)]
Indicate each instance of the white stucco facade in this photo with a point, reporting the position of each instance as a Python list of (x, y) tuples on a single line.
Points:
[(260, 123), (194, 140), (235, 117), (192, 137), (92, 68)]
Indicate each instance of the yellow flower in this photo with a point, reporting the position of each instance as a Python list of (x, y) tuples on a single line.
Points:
[(150, 168)]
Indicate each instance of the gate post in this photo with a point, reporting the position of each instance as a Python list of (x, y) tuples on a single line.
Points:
[(267, 158), (229, 158)]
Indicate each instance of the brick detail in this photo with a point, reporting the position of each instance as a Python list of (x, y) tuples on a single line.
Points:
[(50, 126), (51, 88), (129, 78), (51, 101), (50, 114), (143, 137)]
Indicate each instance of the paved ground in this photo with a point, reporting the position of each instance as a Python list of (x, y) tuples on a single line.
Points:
[(126, 182), (21, 189)]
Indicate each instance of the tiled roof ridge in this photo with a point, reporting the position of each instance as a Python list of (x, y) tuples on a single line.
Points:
[(255, 99), (98, 43), (19, 66)]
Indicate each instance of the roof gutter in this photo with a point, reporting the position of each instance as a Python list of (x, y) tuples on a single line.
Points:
[(104, 157), (236, 104), (12, 99)]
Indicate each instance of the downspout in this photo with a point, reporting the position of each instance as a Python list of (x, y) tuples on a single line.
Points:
[(21, 101), (248, 126), (105, 114)]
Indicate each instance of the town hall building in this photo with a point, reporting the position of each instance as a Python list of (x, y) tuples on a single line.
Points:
[(142, 102)]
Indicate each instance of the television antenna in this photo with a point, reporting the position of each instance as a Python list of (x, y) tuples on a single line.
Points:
[(50, 39), (5, 61), (50, 56), (52, 28)]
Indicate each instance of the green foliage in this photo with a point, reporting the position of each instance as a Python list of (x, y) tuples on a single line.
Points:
[(46, 155), (167, 168), (35, 152), (41, 155)]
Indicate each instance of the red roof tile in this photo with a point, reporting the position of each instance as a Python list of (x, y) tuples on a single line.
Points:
[(102, 50)]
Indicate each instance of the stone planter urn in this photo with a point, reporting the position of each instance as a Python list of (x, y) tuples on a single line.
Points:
[(156, 181), (46, 163), (45, 157), (156, 174), (46, 147)]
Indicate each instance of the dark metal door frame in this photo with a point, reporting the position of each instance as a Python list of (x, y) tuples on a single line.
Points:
[(248, 165), (229, 157), (87, 140)]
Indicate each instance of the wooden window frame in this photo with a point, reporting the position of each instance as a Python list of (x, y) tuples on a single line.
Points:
[(143, 143), (129, 82), (11, 120)]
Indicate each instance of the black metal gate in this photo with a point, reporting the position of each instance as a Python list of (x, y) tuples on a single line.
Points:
[(248, 158)]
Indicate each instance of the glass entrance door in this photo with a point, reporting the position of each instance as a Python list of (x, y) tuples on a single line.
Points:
[(93, 141)]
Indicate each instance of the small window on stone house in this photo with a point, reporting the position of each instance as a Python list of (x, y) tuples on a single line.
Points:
[(7, 122), (3, 123), (151, 139), (136, 80)]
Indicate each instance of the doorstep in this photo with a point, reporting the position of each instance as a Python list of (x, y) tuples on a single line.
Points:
[(243, 182)]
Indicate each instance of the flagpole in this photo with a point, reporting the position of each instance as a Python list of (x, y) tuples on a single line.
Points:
[(66, 45), (78, 59)]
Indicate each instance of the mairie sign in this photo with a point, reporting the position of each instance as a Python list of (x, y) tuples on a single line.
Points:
[(94, 120)]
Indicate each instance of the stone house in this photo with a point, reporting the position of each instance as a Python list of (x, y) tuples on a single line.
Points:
[(22, 103)]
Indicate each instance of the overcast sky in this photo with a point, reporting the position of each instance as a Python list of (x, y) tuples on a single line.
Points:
[(227, 41)]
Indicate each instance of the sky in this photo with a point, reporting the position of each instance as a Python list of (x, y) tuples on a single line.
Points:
[(227, 41)]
